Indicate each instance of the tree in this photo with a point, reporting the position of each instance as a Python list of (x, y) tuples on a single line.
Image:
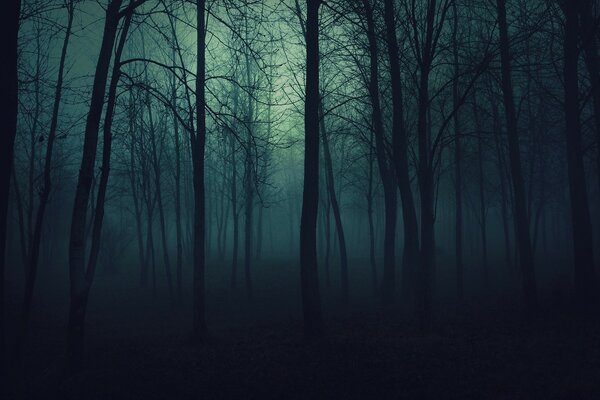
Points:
[(311, 303), (198, 142), (34, 250), (9, 81), (519, 204), (400, 158), (385, 171), (583, 247), (81, 274)]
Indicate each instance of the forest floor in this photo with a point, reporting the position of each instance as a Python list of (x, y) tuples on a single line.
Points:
[(137, 348)]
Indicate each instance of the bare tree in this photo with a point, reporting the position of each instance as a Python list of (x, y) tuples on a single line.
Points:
[(311, 303)]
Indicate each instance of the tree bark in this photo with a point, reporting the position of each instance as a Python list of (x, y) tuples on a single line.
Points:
[(9, 81), (458, 230), (400, 158), (330, 183), (520, 206), (311, 302), (585, 276), (387, 177), (81, 277), (34, 251), (198, 141)]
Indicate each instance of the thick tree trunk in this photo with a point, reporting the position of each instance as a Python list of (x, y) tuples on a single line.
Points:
[(585, 276), (9, 81), (592, 62), (311, 302), (81, 277), (426, 179), (520, 205), (400, 155)]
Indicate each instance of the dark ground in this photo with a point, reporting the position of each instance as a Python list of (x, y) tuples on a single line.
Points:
[(137, 348)]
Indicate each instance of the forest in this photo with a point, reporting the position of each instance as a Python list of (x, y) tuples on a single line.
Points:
[(300, 199)]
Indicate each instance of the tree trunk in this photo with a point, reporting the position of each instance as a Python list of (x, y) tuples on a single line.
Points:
[(482, 199), (81, 277), (198, 141), (387, 177), (504, 200), (45, 192), (520, 208), (458, 234), (592, 62), (370, 217), (178, 232), (585, 276), (9, 80), (330, 183), (311, 302), (157, 187), (234, 210)]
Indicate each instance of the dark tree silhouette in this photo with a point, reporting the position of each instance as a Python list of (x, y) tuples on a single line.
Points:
[(311, 302), (526, 262)]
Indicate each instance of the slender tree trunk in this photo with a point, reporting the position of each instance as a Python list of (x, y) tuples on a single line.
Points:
[(234, 210), (34, 252), (583, 247), (327, 243), (159, 202), (198, 141), (458, 231), (520, 205), (249, 184), (259, 232), (370, 217), (330, 183), (503, 192), (482, 199), (311, 302), (138, 202), (178, 231), (387, 176)]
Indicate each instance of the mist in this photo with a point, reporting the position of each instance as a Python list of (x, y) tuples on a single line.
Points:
[(300, 199)]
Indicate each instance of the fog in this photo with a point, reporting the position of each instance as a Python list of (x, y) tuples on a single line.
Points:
[(301, 199)]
